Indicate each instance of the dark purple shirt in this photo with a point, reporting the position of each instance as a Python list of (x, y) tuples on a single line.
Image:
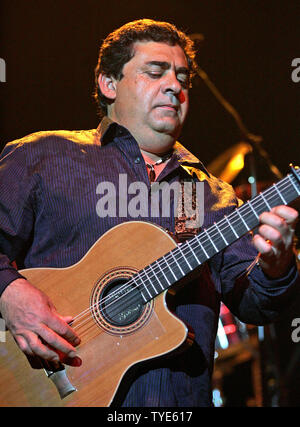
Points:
[(48, 218)]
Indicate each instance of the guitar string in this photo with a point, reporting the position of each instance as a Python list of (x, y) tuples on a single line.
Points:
[(126, 285), (153, 273), (85, 322), (116, 309), (110, 296)]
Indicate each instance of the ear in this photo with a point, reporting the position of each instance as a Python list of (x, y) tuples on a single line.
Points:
[(107, 86)]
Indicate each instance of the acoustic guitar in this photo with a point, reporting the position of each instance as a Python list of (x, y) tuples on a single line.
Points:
[(117, 296)]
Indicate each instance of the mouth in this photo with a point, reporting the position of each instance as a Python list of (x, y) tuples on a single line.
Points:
[(168, 107)]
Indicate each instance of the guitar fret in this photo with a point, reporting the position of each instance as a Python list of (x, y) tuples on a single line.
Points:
[(145, 287), (266, 202), (150, 266), (150, 281), (234, 232), (216, 249), (175, 277), (202, 247), (280, 195), (145, 299), (164, 274), (148, 291), (245, 224), (188, 243), (249, 203), (297, 191), (191, 268), (223, 237), (182, 272)]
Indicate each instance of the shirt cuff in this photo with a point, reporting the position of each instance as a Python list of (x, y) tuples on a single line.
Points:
[(7, 276), (282, 282)]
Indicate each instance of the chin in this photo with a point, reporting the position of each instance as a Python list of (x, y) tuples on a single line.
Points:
[(169, 128)]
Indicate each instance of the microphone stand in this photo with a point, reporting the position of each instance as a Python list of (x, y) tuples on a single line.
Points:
[(256, 143), (254, 140)]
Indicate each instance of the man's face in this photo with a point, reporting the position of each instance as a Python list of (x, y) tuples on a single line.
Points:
[(152, 96)]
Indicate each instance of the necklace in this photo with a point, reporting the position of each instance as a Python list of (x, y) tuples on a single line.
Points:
[(151, 166)]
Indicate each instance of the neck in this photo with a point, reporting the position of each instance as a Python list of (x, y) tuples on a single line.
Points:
[(155, 156), (155, 147), (153, 143)]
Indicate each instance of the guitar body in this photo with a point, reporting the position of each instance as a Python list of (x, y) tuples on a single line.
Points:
[(109, 345)]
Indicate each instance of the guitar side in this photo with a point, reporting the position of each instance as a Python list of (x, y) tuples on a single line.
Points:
[(106, 353)]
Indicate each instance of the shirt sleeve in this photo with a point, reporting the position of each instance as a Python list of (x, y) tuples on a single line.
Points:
[(16, 211), (250, 295)]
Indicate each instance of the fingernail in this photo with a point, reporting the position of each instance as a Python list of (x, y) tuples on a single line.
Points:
[(77, 361), (72, 354), (77, 341)]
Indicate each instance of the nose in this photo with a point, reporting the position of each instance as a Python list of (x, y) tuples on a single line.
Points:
[(171, 85)]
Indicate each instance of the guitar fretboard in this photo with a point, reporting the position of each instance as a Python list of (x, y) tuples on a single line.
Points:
[(176, 264)]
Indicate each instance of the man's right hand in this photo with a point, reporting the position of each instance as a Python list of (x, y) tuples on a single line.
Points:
[(36, 326)]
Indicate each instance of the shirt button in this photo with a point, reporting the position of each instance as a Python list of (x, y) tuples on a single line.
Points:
[(137, 160)]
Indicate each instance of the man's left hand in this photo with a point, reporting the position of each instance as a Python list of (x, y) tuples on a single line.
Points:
[(275, 240)]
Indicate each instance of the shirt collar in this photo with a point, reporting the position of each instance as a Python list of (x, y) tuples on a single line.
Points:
[(107, 129)]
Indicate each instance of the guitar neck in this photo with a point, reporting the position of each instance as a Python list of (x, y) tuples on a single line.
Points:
[(172, 267)]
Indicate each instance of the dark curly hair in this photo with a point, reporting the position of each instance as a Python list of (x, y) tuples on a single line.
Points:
[(117, 49)]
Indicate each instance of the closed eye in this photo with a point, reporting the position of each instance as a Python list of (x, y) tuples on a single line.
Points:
[(154, 75), (184, 81), (182, 78)]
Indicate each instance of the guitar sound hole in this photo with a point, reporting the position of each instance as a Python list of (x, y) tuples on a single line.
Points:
[(120, 304)]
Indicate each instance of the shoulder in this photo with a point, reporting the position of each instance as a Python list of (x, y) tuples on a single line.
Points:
[(43, 146), (77, 137), (218, 193)]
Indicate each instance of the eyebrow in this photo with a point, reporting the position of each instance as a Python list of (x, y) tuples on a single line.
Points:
[(166, 65)]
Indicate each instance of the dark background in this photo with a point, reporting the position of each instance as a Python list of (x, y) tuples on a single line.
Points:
[(51, 49)]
